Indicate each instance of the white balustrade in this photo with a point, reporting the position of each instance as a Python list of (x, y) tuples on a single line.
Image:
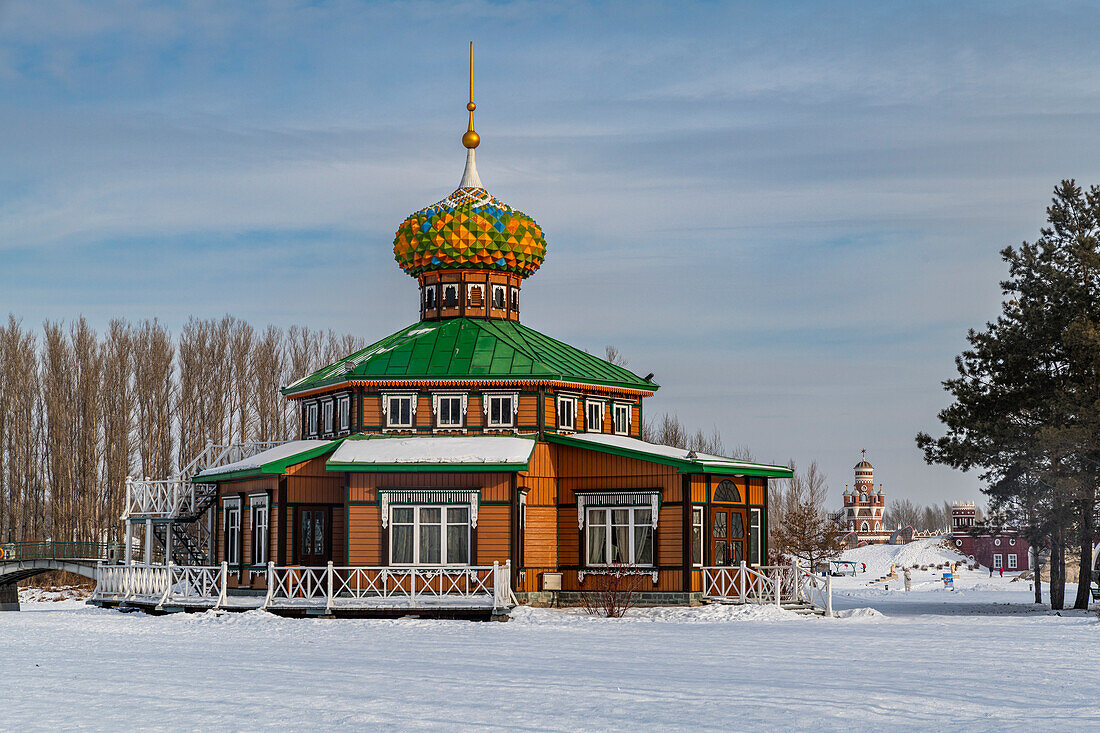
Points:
[(364, 586), (323, 587), (768, 584)]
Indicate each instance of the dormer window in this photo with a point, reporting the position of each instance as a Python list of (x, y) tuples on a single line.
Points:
[(429, 297), (399, 410), (567, 413), (515, 300), (327, 415), (450, 296), (344, 412), (475, 297), (593, 416), (498, 297)]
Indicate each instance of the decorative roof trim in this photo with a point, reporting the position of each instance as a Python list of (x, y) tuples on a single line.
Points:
[(469, 497), (593, 499), (446, 383)]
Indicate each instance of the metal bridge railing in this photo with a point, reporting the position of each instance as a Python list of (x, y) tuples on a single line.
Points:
[(51, 550)]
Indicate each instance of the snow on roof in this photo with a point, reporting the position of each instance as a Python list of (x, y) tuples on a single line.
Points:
[(278, 453), (435, 449), (626, 443)]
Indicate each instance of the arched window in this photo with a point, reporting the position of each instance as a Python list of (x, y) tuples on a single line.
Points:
[(864, 527), (727, 491), (863, 497)]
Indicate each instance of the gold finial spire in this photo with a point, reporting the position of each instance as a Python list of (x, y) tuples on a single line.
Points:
[(471, 139)]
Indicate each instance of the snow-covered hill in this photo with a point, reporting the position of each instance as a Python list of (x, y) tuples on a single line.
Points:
[(879, 558)]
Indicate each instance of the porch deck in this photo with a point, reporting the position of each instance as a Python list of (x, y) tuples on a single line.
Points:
[(355, 591)]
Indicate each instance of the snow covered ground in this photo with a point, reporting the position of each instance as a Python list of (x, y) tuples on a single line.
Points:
[(980, 658)]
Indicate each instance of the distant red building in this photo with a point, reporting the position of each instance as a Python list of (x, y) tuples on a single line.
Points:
[(988, 546), (864, 507)]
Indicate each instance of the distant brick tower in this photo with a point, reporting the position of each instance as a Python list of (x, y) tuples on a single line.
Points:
[(864, 506)]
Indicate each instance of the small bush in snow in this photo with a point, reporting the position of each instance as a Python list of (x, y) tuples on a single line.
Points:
[(611, 593)]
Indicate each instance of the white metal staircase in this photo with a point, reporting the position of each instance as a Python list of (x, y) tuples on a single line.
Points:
[(179, 527)]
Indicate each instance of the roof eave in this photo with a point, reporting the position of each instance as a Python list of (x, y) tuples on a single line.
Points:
[(685, 466), (426, 467)]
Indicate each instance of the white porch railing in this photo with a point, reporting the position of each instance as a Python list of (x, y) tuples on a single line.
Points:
[(361, 586), (768, 584), (326, 587), (164, 584)]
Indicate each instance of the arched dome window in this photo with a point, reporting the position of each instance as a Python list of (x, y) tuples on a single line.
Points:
[(863, 497), (864, 527), (727, 491)]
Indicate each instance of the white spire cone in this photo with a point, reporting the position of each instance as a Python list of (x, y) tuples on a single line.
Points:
[(470, 178)]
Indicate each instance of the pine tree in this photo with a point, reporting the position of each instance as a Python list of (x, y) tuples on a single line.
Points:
[(1026, 408)]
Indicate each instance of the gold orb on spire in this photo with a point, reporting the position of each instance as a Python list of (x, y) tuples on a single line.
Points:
[(471, 139)]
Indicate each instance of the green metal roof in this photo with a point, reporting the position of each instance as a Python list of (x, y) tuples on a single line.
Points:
[(621, 445), (467, 348)]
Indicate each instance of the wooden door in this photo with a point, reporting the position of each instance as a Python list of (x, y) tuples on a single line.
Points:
[(727, 535), (313, 535)]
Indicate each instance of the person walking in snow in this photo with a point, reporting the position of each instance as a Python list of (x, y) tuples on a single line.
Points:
[(991, 571), (1001, 570), (864, 566), (908, 580)]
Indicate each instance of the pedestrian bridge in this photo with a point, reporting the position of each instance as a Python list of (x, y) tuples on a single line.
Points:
[(22, 560)]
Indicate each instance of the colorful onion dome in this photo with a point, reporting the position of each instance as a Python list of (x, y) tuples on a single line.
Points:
[(469, 229)]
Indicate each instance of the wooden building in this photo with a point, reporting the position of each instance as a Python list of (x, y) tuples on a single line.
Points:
[(469, 438)]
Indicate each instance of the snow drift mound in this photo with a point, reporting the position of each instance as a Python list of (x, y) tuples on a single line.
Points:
[(879, 558)]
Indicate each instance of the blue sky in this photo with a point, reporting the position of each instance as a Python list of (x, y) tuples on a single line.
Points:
[(790, 212)]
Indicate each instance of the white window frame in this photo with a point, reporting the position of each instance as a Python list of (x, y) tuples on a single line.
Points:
[(387, 410), (1013, 562), (756, 525), (621, 409), (311, 419), (632, 524), (450, 287), (444, 523), (572, 410), (588, 405), (328, 413), (998, 560), (515, 299), (232, 511), (437, 410), (343, 409), (487, 400), (259, 524), (431, 301), (503, 298), (699, 540)]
